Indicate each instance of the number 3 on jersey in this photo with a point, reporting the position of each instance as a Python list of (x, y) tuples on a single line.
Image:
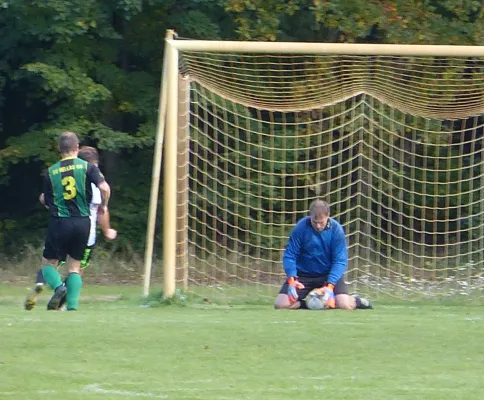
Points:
[(69, 184)]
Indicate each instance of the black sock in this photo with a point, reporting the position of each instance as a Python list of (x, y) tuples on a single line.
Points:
[(358, 301)]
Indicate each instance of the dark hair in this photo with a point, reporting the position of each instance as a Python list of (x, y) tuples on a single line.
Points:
[(89, 154), (68, 142), (318, 207)]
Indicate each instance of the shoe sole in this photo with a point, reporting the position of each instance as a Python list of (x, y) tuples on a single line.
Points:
[(368, 306), (31, 299), (57, 298)]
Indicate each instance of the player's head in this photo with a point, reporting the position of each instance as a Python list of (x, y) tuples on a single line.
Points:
[(319, 214), (68, 144), (89, 154)]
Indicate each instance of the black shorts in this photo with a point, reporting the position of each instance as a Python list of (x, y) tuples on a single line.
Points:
[(314, 282), (66, 236), (85, 258)]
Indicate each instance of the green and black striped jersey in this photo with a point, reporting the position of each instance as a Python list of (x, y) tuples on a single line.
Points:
[(67, 187)]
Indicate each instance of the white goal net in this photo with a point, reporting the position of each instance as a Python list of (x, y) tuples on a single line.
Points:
[(394, 143)]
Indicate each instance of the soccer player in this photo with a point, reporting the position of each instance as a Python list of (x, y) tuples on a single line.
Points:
[(68, 193), (91, 155), (315, 259)]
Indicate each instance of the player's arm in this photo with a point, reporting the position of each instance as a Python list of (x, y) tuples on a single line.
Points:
[(104, 221), (47, 192), (291, 253), (42, 200), (340, 256), (289, 262), (105, 195)]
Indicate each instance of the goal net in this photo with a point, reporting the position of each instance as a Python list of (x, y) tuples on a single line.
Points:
[(393, 142)]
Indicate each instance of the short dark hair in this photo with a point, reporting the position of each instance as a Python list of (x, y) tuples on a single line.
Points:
[(318, 207), (68, 142), (89, 154)]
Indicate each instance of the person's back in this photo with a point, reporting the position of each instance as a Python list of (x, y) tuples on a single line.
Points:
[(68, 192)]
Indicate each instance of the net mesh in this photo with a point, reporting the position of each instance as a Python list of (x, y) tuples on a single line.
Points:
[(394, 144)]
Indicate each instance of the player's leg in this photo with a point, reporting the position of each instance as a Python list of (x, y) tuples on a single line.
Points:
[(31, 298), (63, 232), (52, 253), (346, 301), (73, 283), (47, 273), (343, 299), (84, 265), (86, 258), (75, 256), (362, 303), (50, 274), (282, 299), (40, 282)]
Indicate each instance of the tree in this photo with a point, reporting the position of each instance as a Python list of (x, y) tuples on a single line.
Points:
[(93, 68), (382, 21)]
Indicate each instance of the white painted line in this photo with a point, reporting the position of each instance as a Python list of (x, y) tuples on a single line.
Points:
[(98, 389)]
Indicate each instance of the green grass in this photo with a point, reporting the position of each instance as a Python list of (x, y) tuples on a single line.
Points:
[(113, 349)]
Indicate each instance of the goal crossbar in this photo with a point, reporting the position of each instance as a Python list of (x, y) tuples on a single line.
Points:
[(326, 48)]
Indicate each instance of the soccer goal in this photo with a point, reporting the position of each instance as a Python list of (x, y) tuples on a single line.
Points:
[(390, 135)]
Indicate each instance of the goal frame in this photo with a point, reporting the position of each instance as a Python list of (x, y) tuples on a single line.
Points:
[(167, 124)]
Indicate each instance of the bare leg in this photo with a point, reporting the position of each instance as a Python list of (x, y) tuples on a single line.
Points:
[(73, 265), (52, 262), (345, 302), (282, 303)]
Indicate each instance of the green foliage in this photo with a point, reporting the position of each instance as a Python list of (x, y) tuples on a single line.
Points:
[(390, 21), (93, 67), (5, 225), (66, 66), (260, 19), (131, 187), (72, 85)]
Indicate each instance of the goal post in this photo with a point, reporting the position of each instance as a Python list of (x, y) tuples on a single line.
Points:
[(390, 135)]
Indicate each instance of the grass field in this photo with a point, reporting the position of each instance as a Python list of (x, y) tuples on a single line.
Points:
[(115, 349)]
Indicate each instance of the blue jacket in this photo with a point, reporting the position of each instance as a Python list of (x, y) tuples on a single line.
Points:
[(316, 253)]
